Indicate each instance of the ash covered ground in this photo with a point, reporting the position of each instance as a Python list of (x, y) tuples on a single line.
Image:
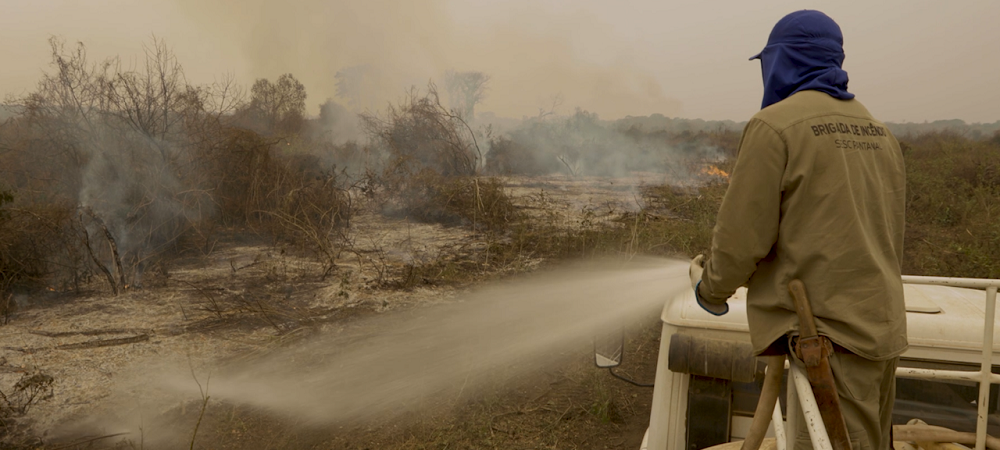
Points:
[(242, 302)]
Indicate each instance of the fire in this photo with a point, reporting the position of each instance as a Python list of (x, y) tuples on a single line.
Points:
[(714, 171)]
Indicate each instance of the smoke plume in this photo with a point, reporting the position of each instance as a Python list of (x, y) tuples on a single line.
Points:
[(397, 44)]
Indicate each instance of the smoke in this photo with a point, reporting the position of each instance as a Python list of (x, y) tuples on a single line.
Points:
[(583, 144), (132, 189), (339, 125), (396, 44), (116, 135)]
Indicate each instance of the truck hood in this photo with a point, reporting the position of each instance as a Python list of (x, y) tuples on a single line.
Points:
[(943, 323)]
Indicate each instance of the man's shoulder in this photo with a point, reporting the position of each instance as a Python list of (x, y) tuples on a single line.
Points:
[(806, 106)]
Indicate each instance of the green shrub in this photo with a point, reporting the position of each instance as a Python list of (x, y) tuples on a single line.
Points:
[(953, 195)]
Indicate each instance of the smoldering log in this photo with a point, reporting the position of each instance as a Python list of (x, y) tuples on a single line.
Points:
[(97, 261), (114, 247)]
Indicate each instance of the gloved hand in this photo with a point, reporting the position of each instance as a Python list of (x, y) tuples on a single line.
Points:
[(695, 271), (697, 267)]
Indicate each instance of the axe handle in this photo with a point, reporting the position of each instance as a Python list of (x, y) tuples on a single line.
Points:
[(815, 354), (807, 323)]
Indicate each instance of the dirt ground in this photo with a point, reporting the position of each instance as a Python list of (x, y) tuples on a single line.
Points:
[(245, 300)]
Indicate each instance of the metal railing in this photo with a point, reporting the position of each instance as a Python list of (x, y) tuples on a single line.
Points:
[(984, 376)]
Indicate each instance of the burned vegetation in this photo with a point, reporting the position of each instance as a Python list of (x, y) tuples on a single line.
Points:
[(108, 171), (145, 210)]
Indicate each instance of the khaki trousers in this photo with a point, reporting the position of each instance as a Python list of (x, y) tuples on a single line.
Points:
[(867, 390)]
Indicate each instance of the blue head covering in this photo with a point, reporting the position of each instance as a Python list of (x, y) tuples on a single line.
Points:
[(804, 52)]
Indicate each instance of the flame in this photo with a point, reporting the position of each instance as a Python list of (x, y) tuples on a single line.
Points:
[(714, 171)]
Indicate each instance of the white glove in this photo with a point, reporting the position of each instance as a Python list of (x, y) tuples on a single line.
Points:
[(695, 271), (697, 267)]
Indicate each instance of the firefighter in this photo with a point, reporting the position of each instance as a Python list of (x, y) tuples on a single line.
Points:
[(817, 194)]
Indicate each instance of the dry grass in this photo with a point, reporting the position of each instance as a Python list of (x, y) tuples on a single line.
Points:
[(672, 222)]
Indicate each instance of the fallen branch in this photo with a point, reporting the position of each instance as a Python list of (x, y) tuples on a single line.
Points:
[(12, 369), (103, 343), (98, 332), (86, 441)]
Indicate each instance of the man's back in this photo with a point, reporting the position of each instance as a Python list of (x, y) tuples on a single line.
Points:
[(817, 194), (835, 221)]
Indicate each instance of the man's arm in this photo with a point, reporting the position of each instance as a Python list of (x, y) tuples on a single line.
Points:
[(747, 225)]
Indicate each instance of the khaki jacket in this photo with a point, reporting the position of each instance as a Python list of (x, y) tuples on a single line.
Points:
[(817, 194)]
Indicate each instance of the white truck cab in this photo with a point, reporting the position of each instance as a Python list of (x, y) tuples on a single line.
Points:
[(707, 382)]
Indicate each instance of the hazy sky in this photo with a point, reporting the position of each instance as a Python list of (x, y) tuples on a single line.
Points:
[(908, 60)]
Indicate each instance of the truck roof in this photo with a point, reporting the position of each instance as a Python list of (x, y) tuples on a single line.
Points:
[(944, 323)]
